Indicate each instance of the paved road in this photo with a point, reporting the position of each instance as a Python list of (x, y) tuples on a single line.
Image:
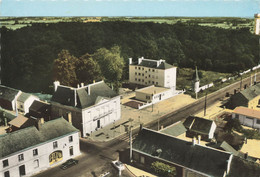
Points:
[(96, 157)]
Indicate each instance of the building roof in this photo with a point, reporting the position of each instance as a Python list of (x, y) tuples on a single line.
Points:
[(226, 147), (8, 93), (19, 140), (198, 124), (85, 96), (251, 92), (23, 97), (153, 64), (39, 106), (7, 114), (196, 157), (247, 112), (152, 90), (243, 168), (18, 121), (175, 129)]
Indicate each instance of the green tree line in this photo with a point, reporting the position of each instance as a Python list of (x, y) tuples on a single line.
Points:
[(28, 54)]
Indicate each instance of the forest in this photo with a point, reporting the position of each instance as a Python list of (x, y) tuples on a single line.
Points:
[(30, 55)]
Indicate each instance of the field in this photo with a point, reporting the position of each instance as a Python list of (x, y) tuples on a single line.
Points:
[(221, 22)]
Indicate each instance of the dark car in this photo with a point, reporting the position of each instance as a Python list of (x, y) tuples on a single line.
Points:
[(69, 163)]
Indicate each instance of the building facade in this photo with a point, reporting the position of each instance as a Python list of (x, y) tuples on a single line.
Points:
[(152, 72), (24, 102), (90, 107), (8, 97), (248, 117), (33, 149)]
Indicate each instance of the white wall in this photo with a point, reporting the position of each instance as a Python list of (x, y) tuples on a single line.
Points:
[(247, 121), (107, 111), (170, 78), (24, 106), (44, 151), (212, 130)]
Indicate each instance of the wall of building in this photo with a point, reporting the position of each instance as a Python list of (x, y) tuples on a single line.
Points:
[(24, 106), (252, 104), (151, 76), (43, 157), (139, 95), (101, 115), (212, 130), (247, 121)]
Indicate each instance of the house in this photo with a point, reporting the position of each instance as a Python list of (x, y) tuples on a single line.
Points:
[(153, 94), (91, 107), (8, 97), (24, 101), (248, 98), (190, 159), (175, 130), (33, 149), (40, 109), (152, 72), (199, 126), (246, 116)]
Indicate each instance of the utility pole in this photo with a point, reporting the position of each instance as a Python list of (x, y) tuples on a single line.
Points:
[(205, 107), (130, 143)]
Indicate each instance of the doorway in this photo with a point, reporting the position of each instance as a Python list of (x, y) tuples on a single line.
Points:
[(22, 170), (98, 123)]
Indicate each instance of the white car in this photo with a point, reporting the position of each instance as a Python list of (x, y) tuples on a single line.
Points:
[(119, 165)]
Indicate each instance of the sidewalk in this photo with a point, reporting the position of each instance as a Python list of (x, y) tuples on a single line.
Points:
[(134, 117)]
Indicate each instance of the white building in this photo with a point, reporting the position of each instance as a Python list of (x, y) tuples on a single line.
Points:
[(30, 150), (91, 107), (24, 101), (246, 116), (257, 24), (152, 72)]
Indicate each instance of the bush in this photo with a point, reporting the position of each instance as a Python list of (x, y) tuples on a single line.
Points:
[(163, 170)]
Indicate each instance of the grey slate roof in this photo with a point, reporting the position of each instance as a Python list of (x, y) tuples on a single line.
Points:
[(251, 92), (21, 139), (65, 95), (23, 97), (198, 124), (243, 168), (153, 64), (226, 147), (175, 130), (8, 93), (199, 158)]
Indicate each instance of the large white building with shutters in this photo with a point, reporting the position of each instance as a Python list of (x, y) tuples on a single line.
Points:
[(152, 72), (90, 107)]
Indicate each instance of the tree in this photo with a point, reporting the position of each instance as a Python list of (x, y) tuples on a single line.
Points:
[(163, 169), (111, 64), (64, 68), (87, 69)]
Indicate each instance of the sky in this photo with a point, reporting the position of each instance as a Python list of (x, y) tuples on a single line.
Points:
[(178, 8)]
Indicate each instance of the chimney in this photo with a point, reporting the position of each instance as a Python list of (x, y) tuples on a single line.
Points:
[(39, 122), (130, 61), (89, 90), (246, 155), (56, 84), (77, 85), (141, 126), (255, 79), (199, 138), (140, 60), (69, 117), (193, 141), (82, 84), (94, 81)]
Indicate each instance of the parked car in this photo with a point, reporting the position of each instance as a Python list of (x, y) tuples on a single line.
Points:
[(69, 163), (119, 165)]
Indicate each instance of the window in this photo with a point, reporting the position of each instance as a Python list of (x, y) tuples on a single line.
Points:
[(142, 68), (35, 152), (5, 163), (149, 82), (148, 97), (153, 70), (149, 69), (55, 144), (258, 121), (36, 163), (71, 150), (136, 156), (237, 116), (22, 170), (143, 74), (135, 67), (6, 174), (135, 73), (142, 160), (135, 79), (153, 82), (138, 67), (149, 75), (142, 80), (20, 157), (70, 138), (139, 80), (139, 74)]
